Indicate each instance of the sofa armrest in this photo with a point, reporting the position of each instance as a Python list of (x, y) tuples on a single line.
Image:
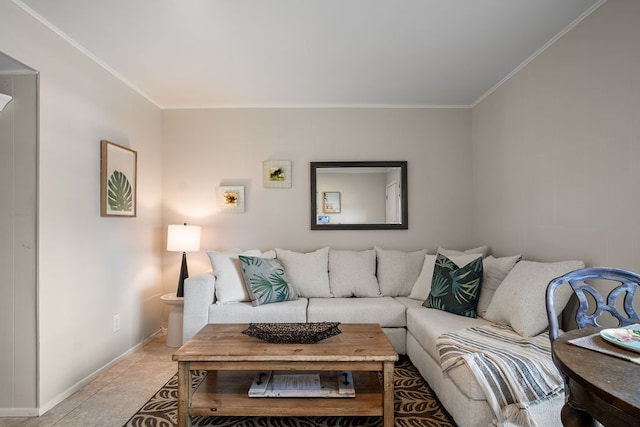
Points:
[(198, 297)]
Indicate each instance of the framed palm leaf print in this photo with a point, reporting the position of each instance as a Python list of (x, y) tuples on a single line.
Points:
[(118, 180)]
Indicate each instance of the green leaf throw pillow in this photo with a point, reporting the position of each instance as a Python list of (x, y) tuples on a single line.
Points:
[(266, 280), (455, 289)]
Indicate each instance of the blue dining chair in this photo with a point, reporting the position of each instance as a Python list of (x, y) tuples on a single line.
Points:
[(589, 313), (591, 307)]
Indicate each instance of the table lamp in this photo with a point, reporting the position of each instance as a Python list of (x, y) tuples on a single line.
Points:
[(183, 238)]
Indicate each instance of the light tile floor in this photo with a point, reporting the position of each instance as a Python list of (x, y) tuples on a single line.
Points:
[(115, 395)]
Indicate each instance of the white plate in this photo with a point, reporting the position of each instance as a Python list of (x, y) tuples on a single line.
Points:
[(628, 338)]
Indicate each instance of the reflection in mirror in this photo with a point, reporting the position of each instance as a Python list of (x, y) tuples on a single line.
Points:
[(359, 195)]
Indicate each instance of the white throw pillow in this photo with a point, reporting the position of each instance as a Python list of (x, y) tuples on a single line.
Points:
[(270, 254), (480, 250), (353, 273), (519, 301), (494, 270), (422, 286), (229, 285), (308, 273), (398, 271)]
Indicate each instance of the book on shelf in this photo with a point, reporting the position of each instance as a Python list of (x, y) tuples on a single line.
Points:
[(302, 384)]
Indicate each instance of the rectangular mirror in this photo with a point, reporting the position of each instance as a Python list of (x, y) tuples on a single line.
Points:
[(359, 196)]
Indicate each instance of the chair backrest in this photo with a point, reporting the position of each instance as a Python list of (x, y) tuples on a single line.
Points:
[(628, 282)]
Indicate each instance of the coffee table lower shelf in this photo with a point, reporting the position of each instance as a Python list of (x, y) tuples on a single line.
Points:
[(224, 393)]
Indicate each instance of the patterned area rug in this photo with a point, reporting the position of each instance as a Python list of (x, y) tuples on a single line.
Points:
[(416, 405)]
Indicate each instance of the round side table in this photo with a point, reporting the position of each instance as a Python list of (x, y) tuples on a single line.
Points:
[(174, 326)]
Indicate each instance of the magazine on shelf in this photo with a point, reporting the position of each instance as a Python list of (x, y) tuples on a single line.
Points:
[(302, 384)]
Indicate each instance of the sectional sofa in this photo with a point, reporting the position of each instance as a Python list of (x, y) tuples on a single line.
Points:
[(397, 290)]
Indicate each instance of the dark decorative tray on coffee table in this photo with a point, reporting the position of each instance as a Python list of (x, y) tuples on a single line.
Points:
[(293, 333)]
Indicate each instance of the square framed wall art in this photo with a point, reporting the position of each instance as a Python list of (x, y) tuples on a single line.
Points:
[(276, 174), (118, 180), (231, 199)]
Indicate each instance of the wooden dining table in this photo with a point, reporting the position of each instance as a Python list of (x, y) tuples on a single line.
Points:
[(601, 386)]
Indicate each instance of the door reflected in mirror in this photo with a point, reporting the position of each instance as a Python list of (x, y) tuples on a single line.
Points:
[(359, 195)]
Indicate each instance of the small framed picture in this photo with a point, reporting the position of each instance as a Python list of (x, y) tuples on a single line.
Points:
[(276, 174), (331, 202), (232, 199), (118, 180)]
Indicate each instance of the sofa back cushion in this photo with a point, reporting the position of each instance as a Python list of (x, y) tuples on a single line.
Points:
[(229, 285), (397, 271), (308, 272), (494, 272), (480, 250), (520, 299), (353, 273)]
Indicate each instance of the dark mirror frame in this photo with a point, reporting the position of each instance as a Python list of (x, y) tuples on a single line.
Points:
[(404, 200)]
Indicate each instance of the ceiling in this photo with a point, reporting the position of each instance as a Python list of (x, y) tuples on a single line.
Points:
[(249, 53)]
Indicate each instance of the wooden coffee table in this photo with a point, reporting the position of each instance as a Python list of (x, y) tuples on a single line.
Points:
[(233, 359)]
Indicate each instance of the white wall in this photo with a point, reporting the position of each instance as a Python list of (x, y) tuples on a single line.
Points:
[(18, 286), (556, 148), (203, 149), (90, 268)]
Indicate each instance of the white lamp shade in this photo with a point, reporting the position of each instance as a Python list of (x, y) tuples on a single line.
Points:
[(183, 238)]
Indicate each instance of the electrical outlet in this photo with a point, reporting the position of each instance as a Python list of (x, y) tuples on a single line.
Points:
[(116, 322)]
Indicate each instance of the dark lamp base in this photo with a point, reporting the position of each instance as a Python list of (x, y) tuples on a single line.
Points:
[(184, 273)]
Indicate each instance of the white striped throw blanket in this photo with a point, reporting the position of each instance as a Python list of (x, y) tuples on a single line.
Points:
[(513, 371)]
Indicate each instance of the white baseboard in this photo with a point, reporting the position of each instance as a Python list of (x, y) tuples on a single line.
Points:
[(18, 412)]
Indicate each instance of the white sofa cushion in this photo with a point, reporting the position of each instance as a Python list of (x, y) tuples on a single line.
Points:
[(308, 272), (244, 312), (229, 282), (398, 339), (520, 299), (466, 382), (480, 250), (383, 310), (422, 286), (493, 273), (467, 394), (398, 271), (409, 302), (353, 273), (427, 324)]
